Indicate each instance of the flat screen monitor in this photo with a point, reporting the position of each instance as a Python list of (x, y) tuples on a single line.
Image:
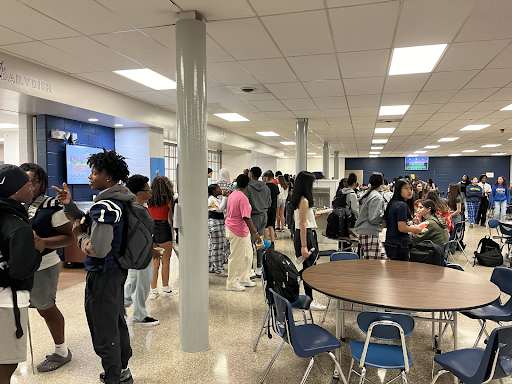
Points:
[(416, 163), (76, 163)]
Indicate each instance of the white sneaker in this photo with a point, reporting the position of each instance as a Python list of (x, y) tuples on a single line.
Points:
[(258, 272), (316, 306), (237, 288), (253, 274), (247, 283), (153, 294), (169, 291), (471, 225)]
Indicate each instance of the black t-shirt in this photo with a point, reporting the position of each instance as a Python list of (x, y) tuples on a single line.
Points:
[(274, 192), (397, 212)]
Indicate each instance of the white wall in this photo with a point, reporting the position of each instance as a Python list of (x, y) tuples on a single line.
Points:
[(133, 143), (156, 143), (264, 162), (314, 164), (235, 162), (11, 144)]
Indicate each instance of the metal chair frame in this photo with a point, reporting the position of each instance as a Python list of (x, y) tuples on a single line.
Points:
[(458, 235), (506, 235), (447, 248)]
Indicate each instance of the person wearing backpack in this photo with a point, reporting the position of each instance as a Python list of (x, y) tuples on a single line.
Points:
[(48, 220), (397, 215), (347, 197), (20, 257), (500, 198), (473, 198), (305, 239), (435, 231), (369, 222), (100, 236)]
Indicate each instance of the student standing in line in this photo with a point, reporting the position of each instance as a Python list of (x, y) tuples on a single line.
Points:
[(20, 257), (305, 239), (398, 212), (239, 228), (210, 173), (281, 202), (484, 205), (136, 291), (267, 178), (500, 198), (473, 199), (348, 193), (161, 208), (455, 202), (218, 248), (224, 182), (50, 223)]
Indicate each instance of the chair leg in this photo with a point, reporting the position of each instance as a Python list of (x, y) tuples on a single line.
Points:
[(441, 372), (311, 316), (261, 329), (272, 361), (311, 362), (484, 323), (304, 316), (326, 308), (363, 375), (338, 367), (319, 366), (404, 377), (350, 371), (462, 249)]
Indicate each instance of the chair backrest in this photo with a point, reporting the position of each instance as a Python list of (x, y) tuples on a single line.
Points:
[(494, 363), (448, 247), (493, 223), (268, 297), (339, 256), (283, 317), (385, 332), (506, 229), (458, 232), (502, 277)]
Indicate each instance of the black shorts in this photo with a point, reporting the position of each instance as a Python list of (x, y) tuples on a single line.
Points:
[(271, 217), (163, 232)]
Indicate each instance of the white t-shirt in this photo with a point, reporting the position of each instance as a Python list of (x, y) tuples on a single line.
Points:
[(52, 258), (282, 194)]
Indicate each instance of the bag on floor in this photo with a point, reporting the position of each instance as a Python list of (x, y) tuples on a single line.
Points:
[(488, 253), (338, 223), (281, 275), (427, 252)]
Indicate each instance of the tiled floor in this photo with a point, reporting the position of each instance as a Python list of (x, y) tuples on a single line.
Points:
[(235, 319)]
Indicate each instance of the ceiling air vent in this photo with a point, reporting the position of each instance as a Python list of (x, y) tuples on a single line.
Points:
[(384, 121), (248, 89)]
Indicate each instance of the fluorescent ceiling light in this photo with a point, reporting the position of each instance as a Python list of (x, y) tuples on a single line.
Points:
[(1, 139), (421, 59), (374, 153), (448, 139), (498, 154), (420, 151), (471, 150), (148, 78), (490, 145), (285, 157), (317, 156), (379, 141), (93, 119), (455, 154), (311, 153), (377, 148), (118, 125), (507, 108), (8, 125), (373, 156), (231, 116), (287, 143), (384, 130), (387, 110), (432, 146), (267, 133), (475, 127)]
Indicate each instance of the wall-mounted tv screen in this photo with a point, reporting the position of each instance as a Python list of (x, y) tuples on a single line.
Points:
[(416, 163), (76, 163)]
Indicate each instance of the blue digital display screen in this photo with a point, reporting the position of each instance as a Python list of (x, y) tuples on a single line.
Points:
[(76, 163), (416, 163)]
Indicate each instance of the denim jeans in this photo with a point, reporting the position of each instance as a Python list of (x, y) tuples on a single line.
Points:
[(500, 210)]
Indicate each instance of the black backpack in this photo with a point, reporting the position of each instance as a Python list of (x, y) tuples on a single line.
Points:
[(338, 223), (427, 252), (281, 275), (489, 254)]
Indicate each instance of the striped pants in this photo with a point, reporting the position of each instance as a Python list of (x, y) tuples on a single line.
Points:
[(472, 211)]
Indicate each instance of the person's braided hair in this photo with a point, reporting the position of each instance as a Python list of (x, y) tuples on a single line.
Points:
[(112, 163), (39, 174), (162, 191)]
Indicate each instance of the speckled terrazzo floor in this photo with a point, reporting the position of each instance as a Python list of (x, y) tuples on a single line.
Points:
[(235, 319)]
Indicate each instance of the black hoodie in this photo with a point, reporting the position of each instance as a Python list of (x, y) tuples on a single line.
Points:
[(17, 246)]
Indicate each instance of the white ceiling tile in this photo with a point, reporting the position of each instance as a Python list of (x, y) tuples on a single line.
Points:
[(154, 97), (470, 55), (309, 113), (282, 115), (296, 104), (440, 81), (364, 28), (431, 22), (218, 9), (330, 102), (260, 116), (473, 115), (90, 50), (444, 116), (405, 83), (417, 117), (170, 72), (315, 67), (8, 36), (489, 106), (115, 81), (491, 78), (288, 90), (144, 14), (138, 47), (477, 94), (364, 64), (324, 88), (489, 20), (364, 86), (250, 41), (222, 94), (504, 59), (504, 94), (240, 106), (270, 70), (272, 7), (365, 111), (52, 57), (336, 113), (404, 98), (294, 38), (88, 17), (424, 108), (458, 107), (257, 96), (164, 35), (433, 97), (363, 120), (269, 106), (230, 73)]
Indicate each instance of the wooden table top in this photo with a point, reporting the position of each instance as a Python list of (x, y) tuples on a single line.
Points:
[(401, 285)]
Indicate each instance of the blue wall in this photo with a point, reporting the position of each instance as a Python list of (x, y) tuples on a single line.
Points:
[(442, 170), (51, 153)]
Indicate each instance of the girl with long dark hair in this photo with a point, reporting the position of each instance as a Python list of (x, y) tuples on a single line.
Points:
[(436, 230), (455, 202), (218, 249), (305, 224), (442, 209), (398, 212), (281, 202), (500, 198)]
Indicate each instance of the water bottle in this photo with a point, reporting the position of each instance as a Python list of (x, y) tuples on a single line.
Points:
[(300, 259)]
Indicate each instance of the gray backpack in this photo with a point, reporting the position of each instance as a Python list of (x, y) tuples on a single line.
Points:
[(137, 245)]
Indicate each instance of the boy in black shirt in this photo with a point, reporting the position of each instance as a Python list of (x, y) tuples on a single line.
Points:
[(271, 213)]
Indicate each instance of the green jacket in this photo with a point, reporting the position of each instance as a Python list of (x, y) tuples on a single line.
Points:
[(435, 233)]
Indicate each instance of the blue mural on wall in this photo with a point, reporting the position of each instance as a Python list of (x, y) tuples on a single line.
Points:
[(157, 167)]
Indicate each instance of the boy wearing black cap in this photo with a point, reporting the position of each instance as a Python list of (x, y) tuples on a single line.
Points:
[(20, 257)]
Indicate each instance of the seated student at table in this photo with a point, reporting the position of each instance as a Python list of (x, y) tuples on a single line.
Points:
[(398, 212), (436, 231)]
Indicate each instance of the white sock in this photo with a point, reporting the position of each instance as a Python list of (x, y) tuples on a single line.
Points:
[(166, 288), (61, 350)]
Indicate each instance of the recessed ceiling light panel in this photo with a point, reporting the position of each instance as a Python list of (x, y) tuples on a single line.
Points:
[(420, 151), (389, 110), (432, 146), (475, 127), (499, 154), (448, 139), (420, 59), (267, 133), (8, 125), (455, 154), (317, 156), (287, 142), (374, 153), (118, 125), (93, 119), (490, 145), (384, 130), (379, 141), (507, 108), (148, 78), (231, 116), (373, 156), (470, 150), (377, 148)]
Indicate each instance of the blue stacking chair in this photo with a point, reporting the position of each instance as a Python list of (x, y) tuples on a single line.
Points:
[(339, 256), (506, 235), (307, 340), (477, 365), (494, 224), (497, 312), (457, 235), (302, 303), (384, 326)]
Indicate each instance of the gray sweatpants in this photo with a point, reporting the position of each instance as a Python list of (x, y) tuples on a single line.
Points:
[(136, 291), (260, 223)]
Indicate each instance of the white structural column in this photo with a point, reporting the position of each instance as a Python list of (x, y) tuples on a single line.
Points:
[(336, 165), (301, 142), (192, 160), (325, 168)]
